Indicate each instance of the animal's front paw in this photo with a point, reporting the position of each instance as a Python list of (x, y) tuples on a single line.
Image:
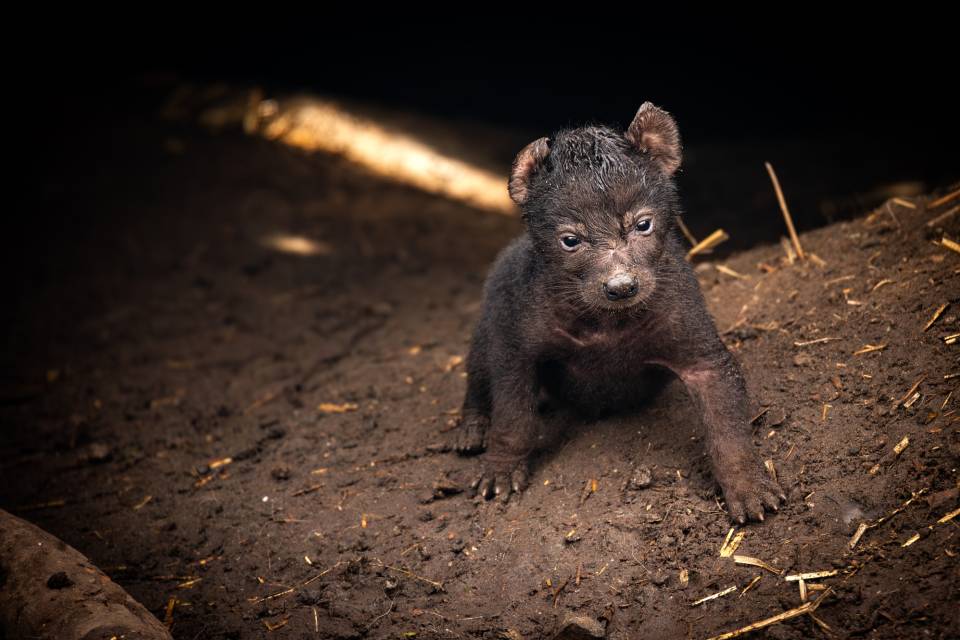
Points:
[(469, 436), (747, 488), (500, 478)]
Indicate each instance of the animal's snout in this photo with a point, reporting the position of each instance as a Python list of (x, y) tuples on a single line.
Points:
[(620, 287)]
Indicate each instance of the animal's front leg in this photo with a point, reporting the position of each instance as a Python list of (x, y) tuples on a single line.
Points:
[(512, 435), (717, 386)]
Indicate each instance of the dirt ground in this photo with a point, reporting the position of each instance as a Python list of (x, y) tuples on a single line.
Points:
[(252, 442)]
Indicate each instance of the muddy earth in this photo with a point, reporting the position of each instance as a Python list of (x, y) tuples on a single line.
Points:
[(253, 442)]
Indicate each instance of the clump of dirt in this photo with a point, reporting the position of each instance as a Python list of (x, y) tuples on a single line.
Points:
[(251, 442)]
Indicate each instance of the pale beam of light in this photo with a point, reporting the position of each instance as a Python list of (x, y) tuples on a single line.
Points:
[(314, 124), (297, 245)]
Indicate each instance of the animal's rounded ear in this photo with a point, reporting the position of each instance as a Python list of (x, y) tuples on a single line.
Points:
[(526, 164), (654, 132)]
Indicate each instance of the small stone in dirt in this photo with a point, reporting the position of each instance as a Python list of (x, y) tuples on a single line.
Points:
[(390, 585), (580, 628), (458, 545), (942, 499), (309, 596), (775, 417), (802, 360), (641, 478), (445, 487), (660, 578), (99, 453), (280, 473), (59, 580)]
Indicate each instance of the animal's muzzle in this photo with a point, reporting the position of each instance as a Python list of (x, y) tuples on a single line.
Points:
[(620, 287)]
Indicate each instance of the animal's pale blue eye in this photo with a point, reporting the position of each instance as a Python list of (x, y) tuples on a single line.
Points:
[(645, 226), (569, 242)]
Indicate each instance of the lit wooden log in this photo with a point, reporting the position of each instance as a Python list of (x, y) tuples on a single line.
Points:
[(50, 590)]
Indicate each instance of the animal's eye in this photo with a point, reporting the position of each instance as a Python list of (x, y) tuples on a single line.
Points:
[(645, 226), (569, 242)]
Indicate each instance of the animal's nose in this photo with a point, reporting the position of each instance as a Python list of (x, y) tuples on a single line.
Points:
[(620, 286)]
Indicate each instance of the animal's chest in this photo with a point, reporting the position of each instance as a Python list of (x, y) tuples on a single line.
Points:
[(601, 356), (595, 354)]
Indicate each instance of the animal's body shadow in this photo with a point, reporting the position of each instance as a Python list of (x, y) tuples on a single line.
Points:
[(651, 417)]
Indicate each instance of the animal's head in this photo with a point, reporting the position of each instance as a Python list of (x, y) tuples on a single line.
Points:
[(600, 207)]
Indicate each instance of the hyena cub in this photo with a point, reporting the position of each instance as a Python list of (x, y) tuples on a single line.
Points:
[(596, 294)]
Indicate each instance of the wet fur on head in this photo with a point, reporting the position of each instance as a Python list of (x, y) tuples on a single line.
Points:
[(597, 184)]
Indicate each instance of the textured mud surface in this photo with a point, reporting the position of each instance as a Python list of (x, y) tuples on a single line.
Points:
[(252, 442)]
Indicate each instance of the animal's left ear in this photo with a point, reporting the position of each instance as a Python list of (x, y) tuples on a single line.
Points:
[(654, 132), (526, 165)]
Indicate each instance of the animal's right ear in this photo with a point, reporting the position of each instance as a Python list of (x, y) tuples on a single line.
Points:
[(525, 166), (654, 133)]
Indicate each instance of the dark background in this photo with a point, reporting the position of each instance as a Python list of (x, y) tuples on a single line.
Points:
[(874, 103), (896, 86), (844, 119), (718, 92)]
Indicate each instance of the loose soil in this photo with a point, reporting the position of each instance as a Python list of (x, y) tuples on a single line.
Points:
[(252, 442)]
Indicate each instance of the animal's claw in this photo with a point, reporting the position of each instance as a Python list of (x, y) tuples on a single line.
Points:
[(748, 490), (501, 479)]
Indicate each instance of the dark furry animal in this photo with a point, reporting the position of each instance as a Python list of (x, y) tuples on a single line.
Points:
[(596, 293)]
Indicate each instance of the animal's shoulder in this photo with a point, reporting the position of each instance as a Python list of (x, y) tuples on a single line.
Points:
[(513, 267)]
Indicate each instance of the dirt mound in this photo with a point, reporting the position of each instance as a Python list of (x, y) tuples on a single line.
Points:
[(251, 441)]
